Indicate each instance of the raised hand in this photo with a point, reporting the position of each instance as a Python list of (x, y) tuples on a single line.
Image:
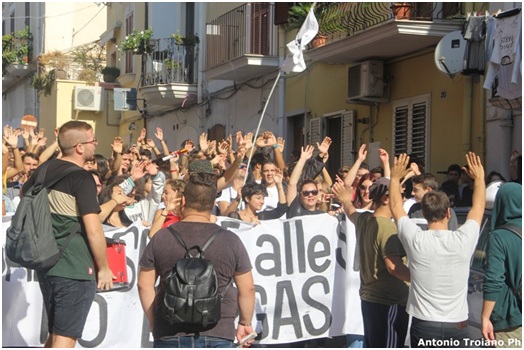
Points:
[(362, 153), (159, 134), (249, 140), (142, 136), (117, 144), (383, 155), (223, 147), (281, 142), (151, 143), (278, 176), (42, 142), (306, 153), (400, 166), (474, 170), (240, 139), (203, 143), (323, 148), (151, 168)]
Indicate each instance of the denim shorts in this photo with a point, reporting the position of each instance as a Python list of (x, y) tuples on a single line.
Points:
[(67, 303), (192, 342)]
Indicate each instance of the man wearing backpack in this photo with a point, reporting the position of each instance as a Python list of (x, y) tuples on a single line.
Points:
[(68, 287), (188, 320), (501, 317)]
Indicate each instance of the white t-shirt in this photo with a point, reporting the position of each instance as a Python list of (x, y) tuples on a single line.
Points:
[(439, 263), (271, 201), (228, 195)]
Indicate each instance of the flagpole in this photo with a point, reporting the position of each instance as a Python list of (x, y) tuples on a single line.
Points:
[(260, 123)]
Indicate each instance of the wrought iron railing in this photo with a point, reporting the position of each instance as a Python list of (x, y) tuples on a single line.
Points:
[(245, 30), (168, 62), (343, 19)]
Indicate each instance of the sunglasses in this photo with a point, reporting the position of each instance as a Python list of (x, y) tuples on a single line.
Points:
[(364, 188), (242, 166), (307, 193)]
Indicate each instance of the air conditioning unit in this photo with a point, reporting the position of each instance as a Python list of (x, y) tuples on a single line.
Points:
[(89, 98), (366, 80)]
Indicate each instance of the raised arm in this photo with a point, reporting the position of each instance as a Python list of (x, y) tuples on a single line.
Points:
[(475, 170), (352, 174), (344, 194), (395, 191), (384, 158), (160, 136), (305, 154), (117, 147)]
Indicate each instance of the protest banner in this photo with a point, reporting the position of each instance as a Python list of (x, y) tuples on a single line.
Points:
[(305, 276)]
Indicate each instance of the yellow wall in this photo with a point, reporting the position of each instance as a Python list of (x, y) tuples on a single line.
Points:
[(58, 108), (323, 89)]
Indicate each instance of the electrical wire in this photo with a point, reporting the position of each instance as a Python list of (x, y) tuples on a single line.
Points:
[(78, 31)]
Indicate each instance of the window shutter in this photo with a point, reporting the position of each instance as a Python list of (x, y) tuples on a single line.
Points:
[(411, 127), (315, 131), (348, 138), (282, 12), (260, 29)]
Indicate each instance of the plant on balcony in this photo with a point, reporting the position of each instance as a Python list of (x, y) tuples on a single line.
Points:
[(138, 42), (110, 74), (89, 58), (57, 61), (402, 10), (15, 48), (326, 18), (190, 41), (44, 82)]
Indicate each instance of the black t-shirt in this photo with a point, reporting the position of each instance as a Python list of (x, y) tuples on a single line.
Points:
[(297, 209), (69, 199), (226, 252)]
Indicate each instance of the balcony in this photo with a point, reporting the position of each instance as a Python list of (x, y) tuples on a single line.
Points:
[(240, 43), (169, 72), (16, 58), (377, 30)]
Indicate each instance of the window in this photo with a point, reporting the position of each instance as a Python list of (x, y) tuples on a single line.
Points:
[(411, 127), (129, 55), (12, 21)]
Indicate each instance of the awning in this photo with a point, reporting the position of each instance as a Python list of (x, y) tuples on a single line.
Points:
[(109, 34)]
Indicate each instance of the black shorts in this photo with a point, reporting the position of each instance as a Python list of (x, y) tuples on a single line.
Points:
[(67, 303)]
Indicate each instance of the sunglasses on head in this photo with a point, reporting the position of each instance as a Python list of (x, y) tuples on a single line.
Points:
[(307, 193)]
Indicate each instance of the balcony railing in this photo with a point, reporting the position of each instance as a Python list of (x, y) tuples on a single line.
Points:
[(169, 63), (340, 20), (246, 30)]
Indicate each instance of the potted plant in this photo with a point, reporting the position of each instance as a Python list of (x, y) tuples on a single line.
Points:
[(402, 10), (326, 19), (89, 59), (16, 48), (56, 60), (138, 42), (44, 82), (190, 41), (110, 73)]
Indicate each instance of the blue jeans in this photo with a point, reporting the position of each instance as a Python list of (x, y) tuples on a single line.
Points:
[(192, 342), (424, 334)]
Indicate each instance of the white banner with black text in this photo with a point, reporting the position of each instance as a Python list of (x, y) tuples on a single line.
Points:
[(305, 272)]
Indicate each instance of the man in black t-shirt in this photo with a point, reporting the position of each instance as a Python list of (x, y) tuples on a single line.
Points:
[(229, 258), (69, 286)]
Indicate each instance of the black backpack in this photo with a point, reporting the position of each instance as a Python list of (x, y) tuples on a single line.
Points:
[(191, 288), (30, 240), (518, 231)]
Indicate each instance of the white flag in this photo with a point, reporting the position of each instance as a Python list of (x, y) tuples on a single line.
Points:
[(295, 59)]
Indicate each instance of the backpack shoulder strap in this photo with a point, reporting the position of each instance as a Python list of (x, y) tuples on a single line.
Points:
[(513, 228), (178, 238), (211, 239)]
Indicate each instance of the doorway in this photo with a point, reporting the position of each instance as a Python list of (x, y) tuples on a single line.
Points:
[(333, 130)]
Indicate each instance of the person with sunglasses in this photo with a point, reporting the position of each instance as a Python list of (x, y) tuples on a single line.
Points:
[(302, 200)]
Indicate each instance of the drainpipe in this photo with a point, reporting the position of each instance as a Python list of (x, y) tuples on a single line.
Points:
[(467, 115), (281, 88), (200, 10), (467, 105)]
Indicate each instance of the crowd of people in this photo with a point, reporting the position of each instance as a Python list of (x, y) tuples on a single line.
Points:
[(248, 179)]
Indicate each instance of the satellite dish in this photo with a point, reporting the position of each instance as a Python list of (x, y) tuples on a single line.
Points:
[(449, 54)]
